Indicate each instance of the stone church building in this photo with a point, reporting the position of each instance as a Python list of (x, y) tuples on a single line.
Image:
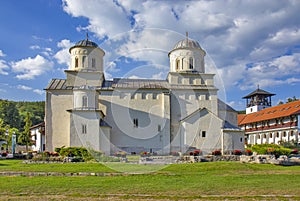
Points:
[(134, 115)]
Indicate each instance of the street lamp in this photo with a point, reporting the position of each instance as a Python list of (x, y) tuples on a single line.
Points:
[(6, 134)]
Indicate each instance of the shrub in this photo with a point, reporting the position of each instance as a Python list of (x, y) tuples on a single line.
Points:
[(271, 149), (237, 152), (295, 151), (197, 152), (79, 152), (216, 152), (248, 152), (4, 154)]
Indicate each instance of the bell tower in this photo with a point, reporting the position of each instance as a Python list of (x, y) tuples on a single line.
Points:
[(187, 56), (86, 65), (258, 100)]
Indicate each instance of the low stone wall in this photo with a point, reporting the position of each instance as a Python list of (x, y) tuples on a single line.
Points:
[(207, 158), (270, 159)]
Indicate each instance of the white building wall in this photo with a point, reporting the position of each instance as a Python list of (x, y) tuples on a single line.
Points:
[(123, 106), (57, 118), (89, 136)]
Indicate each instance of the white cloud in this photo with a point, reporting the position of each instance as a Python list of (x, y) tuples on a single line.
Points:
[(3, 67), (242, 39), (23, 87), (278, 71), (2, 54), (63, 55), (35, 47), (100, 14), (30, 68), (159, 76), (38, 91)]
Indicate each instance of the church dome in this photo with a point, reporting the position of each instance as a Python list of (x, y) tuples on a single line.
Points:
[(84, 43), (187, 43)]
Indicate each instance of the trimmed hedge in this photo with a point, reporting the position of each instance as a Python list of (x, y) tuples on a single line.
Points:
[(271, 149)]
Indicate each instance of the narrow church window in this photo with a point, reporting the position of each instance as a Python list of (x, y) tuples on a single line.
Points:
[(132, 96), (241, 139), (93, 63), (84, 101), (182, 63), (83, 127), (191, 61), (154, 95), (144, 95), (135, 123), (159, 128), (203, 134), (177, 64), (206, 96), (83, 61), (76, 62)]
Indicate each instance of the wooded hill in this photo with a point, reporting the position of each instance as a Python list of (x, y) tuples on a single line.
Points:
[(13, 114)]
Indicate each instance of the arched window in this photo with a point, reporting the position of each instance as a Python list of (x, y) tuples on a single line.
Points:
[(271, 135), (292, 133), (83, 61), (284, 134), (93, 63), (177, 64), (84, 101), (76, 62), (191, 63)]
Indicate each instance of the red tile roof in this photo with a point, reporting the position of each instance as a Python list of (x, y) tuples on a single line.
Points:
[(278, 111)]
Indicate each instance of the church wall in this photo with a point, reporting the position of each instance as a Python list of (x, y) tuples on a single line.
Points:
[(185, 102), (124, 107), (85, 129), (202, 131), (57, 118), (233, 140), (84, 78), (105, 143)]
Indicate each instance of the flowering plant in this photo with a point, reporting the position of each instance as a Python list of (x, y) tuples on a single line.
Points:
[(237, 152), (216, 152), (249, 152)]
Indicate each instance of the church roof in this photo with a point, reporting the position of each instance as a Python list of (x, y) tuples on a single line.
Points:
[(127, 83), (186, 43), (229, 126), (258, 91), (84, 43), (58, 84), (278, 111), (136, 83)]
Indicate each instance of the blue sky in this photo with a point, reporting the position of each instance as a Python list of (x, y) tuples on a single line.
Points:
[(249, 43)]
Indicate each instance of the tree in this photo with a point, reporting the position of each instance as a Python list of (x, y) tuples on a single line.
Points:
[(25, 136), (292, 99), (9, 113)]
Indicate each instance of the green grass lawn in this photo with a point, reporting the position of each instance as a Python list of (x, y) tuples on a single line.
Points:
[(203, 181)]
